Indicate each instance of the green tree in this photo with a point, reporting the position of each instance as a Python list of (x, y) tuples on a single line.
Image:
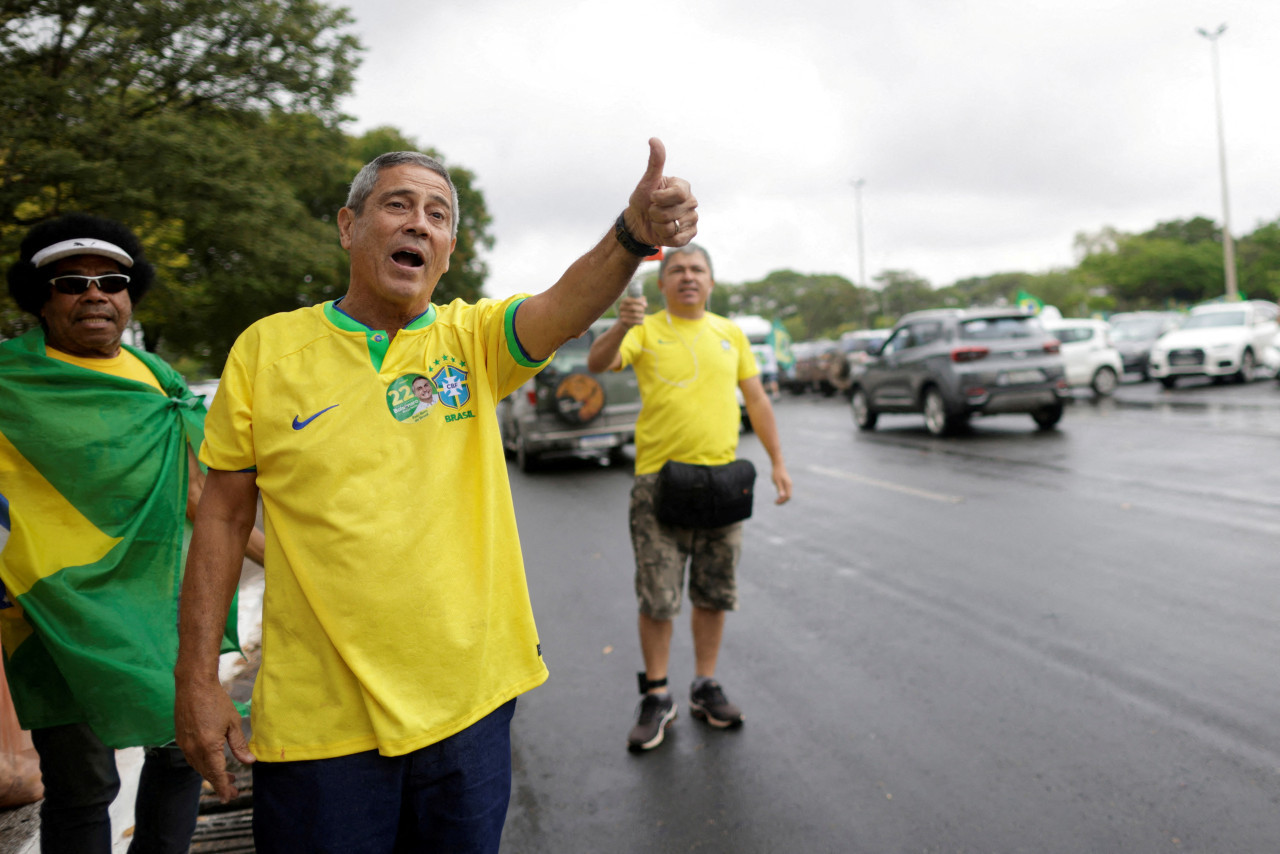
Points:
[(902, 291), (184, 120), (1258, 262), (1156, 272), (1187, 231), (809, 305)]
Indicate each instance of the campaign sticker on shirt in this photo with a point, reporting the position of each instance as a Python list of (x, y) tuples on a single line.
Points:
[(411, 397)]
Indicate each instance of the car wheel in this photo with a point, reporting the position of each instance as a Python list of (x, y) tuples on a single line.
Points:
[(1105, 382), (1247, 365), (1047, 417), (1168, 382), (936, 419), (863, 415)]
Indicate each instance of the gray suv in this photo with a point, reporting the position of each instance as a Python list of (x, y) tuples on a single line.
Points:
[(952, 364)]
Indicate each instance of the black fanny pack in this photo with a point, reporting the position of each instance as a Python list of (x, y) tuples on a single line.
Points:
[(691, 496)]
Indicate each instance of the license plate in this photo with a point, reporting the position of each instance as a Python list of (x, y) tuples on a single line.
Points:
[(1022, 377), (601, 441)]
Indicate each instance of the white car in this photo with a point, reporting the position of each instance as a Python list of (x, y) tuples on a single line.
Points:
[(1091, 359), (1219, 340)]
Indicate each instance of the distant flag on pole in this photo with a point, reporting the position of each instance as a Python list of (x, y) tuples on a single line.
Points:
[(781, 341), (1029, 303)]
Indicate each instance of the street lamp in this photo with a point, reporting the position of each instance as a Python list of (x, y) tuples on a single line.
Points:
[(857, 204), (1228, 244), (862, 267)]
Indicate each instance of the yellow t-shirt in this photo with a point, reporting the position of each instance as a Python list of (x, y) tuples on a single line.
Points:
[(125, 365), (688, 372), (395, 611)]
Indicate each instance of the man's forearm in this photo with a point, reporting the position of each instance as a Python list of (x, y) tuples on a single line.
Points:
[(213, 572), (224, 520), (765, 426), (585, 291), (604, 350)]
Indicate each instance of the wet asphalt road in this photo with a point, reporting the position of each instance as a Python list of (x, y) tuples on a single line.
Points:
[(1005, 641)]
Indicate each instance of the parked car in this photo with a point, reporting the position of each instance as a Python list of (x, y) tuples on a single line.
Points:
[(1090, 359), (1134, 333), (1219, 340), (856, 347), (952, 364), (789, 378), (815, 363), (567, 410)]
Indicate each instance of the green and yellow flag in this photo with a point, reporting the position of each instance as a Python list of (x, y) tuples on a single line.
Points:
[(1030, 303), (93, 468)]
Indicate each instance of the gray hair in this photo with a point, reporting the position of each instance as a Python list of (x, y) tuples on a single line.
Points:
[(365, 180), (687, 249)]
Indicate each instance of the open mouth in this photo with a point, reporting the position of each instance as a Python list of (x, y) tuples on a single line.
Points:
[(407, 258)]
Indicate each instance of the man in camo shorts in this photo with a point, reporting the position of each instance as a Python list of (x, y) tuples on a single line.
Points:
[(689, 363)]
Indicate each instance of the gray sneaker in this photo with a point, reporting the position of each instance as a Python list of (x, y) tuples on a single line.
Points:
[(654, 714), (708, 703)]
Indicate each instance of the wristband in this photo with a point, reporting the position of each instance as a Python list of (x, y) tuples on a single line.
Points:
[(629, 242)]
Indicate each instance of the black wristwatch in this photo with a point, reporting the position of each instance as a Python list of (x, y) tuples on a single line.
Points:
[(629, 242)]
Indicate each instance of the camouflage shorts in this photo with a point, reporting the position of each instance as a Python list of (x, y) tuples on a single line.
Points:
[(663, 551)]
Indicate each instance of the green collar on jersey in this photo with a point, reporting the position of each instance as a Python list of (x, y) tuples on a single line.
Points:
[(378, 339)]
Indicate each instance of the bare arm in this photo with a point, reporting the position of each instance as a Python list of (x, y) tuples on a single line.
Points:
[(255, 549), (604, 355), (760, 411), (204, 715), (662, 211)]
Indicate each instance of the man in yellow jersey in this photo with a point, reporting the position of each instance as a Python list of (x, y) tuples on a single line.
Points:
[(689, 364), (97, 471), (397, 630)]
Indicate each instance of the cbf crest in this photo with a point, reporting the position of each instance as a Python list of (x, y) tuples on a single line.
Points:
[(452, 385)]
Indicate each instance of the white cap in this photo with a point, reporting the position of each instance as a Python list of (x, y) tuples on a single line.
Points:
[(81, 246)]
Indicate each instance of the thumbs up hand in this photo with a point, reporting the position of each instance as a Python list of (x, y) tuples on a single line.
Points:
[(662, 210)]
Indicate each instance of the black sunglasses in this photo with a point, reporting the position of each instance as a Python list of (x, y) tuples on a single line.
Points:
[(108, 283)]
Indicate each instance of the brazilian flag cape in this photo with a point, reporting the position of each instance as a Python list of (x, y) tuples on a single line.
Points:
[(93, 468)]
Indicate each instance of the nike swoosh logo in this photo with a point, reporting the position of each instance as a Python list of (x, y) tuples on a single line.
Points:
[(298, 425)]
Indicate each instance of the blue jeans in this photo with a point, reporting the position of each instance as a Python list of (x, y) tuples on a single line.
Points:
[(80, 782), (449, 797)]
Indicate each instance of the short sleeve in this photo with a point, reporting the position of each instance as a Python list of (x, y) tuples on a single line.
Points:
[(632, 346), (500, 322), (228, 429), (748, 367)]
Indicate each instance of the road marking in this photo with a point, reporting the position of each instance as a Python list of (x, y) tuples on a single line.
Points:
[(884, 484)]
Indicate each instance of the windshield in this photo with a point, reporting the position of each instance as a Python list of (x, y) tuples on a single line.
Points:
[(997, 328), (862, 345), (1214, 319), (1072, 334), (1135, 330)]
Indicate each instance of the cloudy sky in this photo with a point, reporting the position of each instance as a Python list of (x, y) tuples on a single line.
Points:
[(987, 133)]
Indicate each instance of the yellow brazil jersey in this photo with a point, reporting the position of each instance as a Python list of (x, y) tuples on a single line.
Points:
[(688, 372), (124, 365), (395, 610)]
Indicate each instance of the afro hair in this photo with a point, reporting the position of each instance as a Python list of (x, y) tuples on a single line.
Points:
[(29, 286)]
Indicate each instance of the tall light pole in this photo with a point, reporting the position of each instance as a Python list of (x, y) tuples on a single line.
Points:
[(857, 206), (1228, 243), (862, 268)]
